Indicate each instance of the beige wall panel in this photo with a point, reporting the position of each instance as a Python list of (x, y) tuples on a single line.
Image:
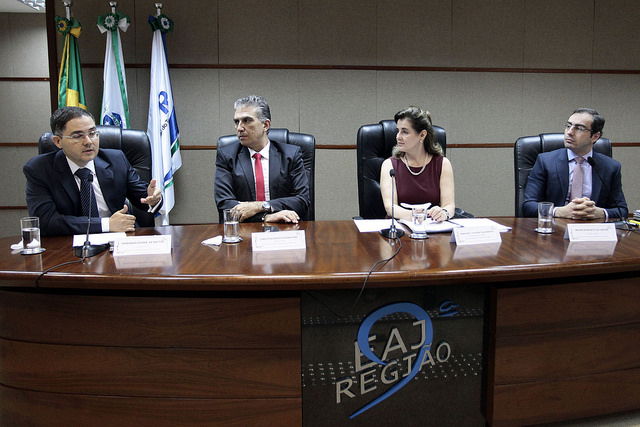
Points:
[(337, 33), (280, 88), (558, 34), (11, 175), (549, 100), (616, 35), (487, 33), (427, 90), (336, 185), (414, 33), (484, 180), (194, 189), (197, 99), (25, 111), (485, 107), (334, 104), (630, 159), (6, 46), (274, 36), (24, 45), (194, 39), (10, 223), (617, 98)]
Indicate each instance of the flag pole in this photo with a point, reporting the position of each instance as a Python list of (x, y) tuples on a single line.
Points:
[(113, 5), (158, 9), (67, 7)]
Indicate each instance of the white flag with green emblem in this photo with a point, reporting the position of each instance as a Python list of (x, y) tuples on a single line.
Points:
[(115, 104)]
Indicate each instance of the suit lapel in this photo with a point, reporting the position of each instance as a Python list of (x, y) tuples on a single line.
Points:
[(562, 169), (275, 162), (244, 161), (67, 180), (596, 183), (104, 172)]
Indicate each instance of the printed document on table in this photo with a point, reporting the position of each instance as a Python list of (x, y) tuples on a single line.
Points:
[(479, 222)]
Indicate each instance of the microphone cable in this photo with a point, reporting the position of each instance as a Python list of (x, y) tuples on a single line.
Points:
[(77, 261), (380, 263)]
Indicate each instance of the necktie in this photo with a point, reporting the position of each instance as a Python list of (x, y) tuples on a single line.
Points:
[(259, 179), (576, 185), (85, 193)]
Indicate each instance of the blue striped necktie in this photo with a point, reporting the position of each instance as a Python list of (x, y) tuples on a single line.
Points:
[(86, 188)]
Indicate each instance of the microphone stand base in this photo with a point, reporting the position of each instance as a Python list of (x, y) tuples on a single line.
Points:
[(392, 233), (624, 225), (87, 251)]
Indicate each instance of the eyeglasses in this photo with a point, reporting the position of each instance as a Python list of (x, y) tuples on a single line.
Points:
[(77, 137), (578, 128)]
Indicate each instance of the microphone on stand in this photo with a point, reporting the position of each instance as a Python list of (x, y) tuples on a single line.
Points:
[(392, 232), (88, 250), (623, 224)]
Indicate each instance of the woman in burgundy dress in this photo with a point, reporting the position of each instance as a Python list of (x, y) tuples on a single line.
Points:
[(422, 173)]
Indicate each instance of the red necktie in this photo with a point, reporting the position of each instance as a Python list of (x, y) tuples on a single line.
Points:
[(576, 184), (259, 179)]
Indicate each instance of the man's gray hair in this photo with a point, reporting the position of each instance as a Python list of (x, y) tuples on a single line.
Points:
[(262, 108)]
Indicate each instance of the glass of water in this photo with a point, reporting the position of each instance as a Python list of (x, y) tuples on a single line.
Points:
[(545, 217), (30, 229), (418, 217), (231, 227)]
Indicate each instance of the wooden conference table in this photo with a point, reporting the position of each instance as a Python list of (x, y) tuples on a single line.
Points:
[(212, 335)]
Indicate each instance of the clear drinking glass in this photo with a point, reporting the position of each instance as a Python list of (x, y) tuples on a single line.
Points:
[(30, 230), (545, 217), (418, 217), (231, 227)]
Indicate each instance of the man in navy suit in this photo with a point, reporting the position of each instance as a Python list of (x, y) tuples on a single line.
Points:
[(53, 189), (552, 175), (259, 179)]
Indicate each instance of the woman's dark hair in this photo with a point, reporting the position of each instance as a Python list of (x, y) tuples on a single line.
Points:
[(420, 120)]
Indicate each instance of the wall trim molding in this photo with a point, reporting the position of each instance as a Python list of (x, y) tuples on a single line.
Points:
[(338, 146), (521, 70), (24, 79)]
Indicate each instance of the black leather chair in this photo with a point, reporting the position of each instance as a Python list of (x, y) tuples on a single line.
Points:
[(307, 144), (374, 145), (136, 147), (525, 153)]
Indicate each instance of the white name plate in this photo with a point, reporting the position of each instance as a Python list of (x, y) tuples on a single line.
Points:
[(602, 232), (475, 235), (142, 245), (278, 240)]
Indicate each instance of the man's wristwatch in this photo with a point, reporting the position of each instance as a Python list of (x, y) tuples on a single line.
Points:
[(267, 209)]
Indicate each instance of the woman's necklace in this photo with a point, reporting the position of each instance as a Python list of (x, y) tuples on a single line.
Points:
[(404, 159)]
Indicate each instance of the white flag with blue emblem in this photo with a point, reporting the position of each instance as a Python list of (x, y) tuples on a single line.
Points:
[(115, 105), (162, 126)]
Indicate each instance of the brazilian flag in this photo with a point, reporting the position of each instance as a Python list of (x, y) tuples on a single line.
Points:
[(70, 86)]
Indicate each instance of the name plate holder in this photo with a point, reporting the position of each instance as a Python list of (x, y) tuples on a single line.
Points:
[(278, 240), (142, 245), (475, 235), (602, 232)]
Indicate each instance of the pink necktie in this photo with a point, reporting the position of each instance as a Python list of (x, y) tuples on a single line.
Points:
[(576, 185), (259, 179)]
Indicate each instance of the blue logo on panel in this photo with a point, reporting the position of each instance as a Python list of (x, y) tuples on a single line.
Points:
[(422, 319)]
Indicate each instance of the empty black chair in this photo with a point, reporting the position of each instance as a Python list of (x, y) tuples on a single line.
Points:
[(136, 147), (307, 144), (525, 153)]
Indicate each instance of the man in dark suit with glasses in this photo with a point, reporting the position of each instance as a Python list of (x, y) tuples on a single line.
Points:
[(58, 181)]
